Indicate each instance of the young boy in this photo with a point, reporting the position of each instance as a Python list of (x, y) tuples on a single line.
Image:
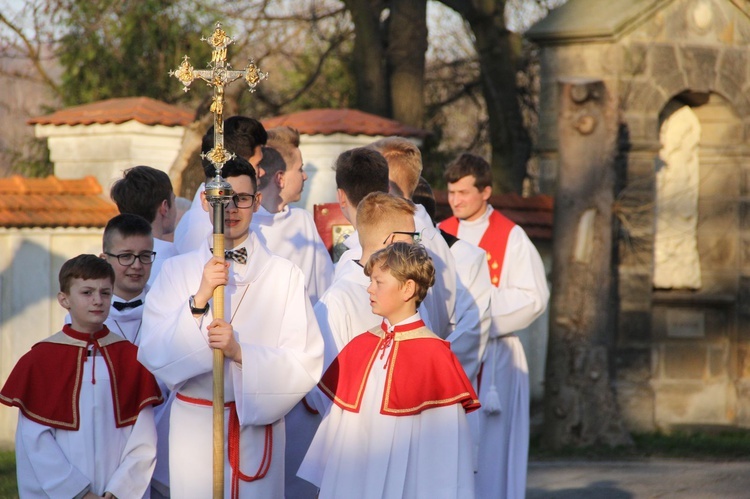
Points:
[(397, 426), (272, 346), (519, 296), (128, 246), (287, 231), (290, 233), (147, 192), (85, 428), (244, 137)]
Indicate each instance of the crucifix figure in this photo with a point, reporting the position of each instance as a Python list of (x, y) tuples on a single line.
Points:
[(218, 193)]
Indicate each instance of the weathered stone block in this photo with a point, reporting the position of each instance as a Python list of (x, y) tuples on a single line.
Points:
[(684, 360), (670, 85), (633, 326), (688, 402), (719, 214), (699, 64), (663, 60), (634, 59), (634, 290), (718, 362), (633, 365), (636, 402), (641, 96), (719, 283), (733, 71), (717, 250)]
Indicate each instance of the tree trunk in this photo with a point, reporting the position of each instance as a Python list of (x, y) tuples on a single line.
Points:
[(497, 51), (407, 46), (580, 406), (369, 57)]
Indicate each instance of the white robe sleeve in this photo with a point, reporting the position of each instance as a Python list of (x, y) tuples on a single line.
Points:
[(133, 477), (471, 318), (272, 380), (174, 344), (41, 464), (322, 271), (523, 294)]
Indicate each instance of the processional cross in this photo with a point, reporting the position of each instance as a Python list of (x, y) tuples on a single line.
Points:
[(218, 193)]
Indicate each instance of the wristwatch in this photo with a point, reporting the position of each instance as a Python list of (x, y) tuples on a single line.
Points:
[(195, 310)]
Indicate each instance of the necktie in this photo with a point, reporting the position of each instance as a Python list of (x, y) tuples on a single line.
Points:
[(122, 305), (239, 256)]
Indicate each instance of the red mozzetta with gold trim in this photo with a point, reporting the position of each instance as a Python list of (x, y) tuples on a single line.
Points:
[(423, 373), (46, 383)]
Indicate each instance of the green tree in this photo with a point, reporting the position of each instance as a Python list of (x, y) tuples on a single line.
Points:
[(116, 48)]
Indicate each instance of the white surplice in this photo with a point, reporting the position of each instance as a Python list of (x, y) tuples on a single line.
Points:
[(99, 456), (291, 234), (194, 227), (164, 250), (369, 455), (282, 359), (519, 299), (128, 323), (472, 314)]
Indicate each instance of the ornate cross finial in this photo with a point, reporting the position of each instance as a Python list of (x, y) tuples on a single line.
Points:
[(218, 75)]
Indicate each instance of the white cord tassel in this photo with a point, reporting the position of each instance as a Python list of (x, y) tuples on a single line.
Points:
[(492, 405)]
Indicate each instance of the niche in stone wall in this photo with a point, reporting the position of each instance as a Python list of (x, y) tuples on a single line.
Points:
[(676, 258)]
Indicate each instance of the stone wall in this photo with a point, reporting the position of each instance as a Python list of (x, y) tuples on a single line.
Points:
[(681, 356)]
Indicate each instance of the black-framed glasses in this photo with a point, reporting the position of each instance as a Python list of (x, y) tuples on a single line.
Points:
[(416, 236), (127, 259), (244, 201)]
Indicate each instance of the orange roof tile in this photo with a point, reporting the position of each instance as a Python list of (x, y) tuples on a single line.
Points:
[(534, 214), (141, 109), (52, 202), (348, 121)]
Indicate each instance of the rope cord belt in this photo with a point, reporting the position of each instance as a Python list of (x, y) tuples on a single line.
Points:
[(233, 447)]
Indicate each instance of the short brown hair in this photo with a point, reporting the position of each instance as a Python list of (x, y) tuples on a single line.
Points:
[(126, 225), (141, 190), (359, 172), (404, 162), (469, 164), (271, 163), (405, 261), (84, 267), (379, 208)]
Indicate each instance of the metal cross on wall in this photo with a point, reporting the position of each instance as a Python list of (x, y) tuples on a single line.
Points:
[(218, 75)]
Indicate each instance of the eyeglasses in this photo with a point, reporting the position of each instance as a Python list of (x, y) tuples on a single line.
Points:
[(127, 259), (416, 236), (244, 201)]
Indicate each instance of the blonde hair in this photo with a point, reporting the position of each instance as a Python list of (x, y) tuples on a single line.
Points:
[(404, 162), (379, 208), (405, 261), (285, 140)]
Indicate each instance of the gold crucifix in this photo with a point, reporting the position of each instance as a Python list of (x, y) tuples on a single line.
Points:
[(218, 75)]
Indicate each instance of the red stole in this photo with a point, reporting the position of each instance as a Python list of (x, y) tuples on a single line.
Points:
[(494, 241), (46, 382), (422, 374)]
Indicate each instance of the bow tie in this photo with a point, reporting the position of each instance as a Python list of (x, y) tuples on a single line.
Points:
[(122, 305), (239, 256)]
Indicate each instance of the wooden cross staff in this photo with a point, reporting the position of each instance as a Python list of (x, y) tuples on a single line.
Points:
[(218, 192)]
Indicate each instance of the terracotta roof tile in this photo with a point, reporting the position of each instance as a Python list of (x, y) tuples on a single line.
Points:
[(52, 202), (348, 121), (141, 109), (534, 214)]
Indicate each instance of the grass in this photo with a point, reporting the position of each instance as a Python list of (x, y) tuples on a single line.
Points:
[(709, 445), (8, 487)]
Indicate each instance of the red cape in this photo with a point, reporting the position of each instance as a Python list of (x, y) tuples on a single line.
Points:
[(423, 373), (46, 382)]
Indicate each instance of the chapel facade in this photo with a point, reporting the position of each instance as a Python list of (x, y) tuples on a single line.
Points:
[(679, 71)]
